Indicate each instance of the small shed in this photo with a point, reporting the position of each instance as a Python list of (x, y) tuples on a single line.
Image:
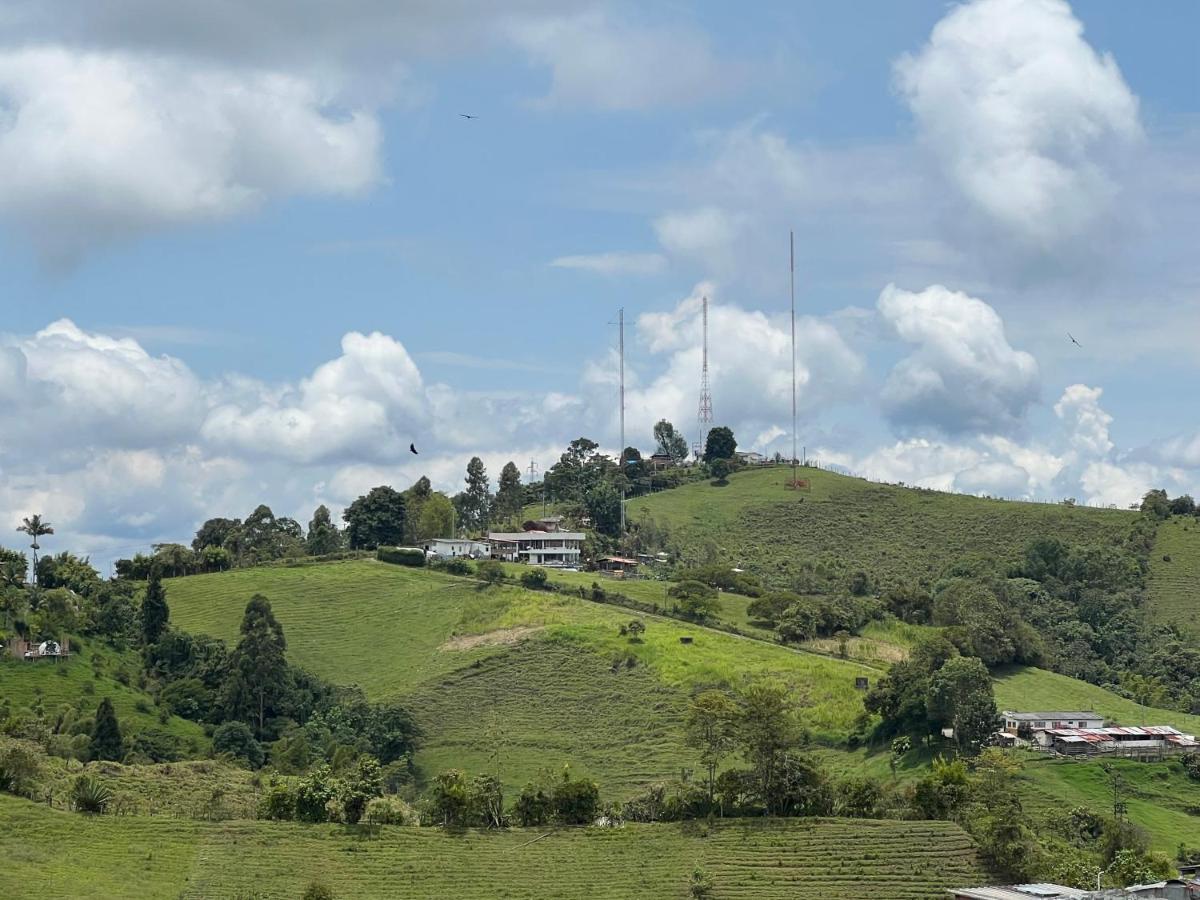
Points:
[(617, 565)]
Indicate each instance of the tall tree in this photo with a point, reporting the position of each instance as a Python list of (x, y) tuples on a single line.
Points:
[(106, 733), (603, 505), (323, 535), (376, 519), (767, 730), (710, 728), (414, 501), (258, 680), (475, 503), (509, 495), (437, 518), (154, 612), (35, 528), (215, 533), (670, 442), (719, 444), (961, 697)]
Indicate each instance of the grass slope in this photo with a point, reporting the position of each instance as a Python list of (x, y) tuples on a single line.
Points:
[(68, 855), (891, 532), (89, 675), (1175, 572)]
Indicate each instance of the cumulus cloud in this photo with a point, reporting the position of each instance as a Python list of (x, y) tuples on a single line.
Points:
[(1085, 420), (615, 263), (98, 146), (963, 375), (596, 61), (707, 234), (1023, 115)]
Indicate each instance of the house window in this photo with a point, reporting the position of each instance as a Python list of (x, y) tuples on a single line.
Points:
[(1039, 724)]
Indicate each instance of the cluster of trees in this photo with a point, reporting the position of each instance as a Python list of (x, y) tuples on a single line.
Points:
[(1157, 505), (458, 801)]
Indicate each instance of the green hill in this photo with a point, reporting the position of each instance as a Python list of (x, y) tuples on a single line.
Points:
[(547, 675), (1174, 583), (61, 855), (758, 523)]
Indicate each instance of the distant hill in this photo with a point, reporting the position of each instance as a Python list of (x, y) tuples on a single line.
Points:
[(890, 532)]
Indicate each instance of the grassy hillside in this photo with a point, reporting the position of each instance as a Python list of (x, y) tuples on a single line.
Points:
[(757, 523), (93, 672), (549, 670), (1174, 584), (67, 855)]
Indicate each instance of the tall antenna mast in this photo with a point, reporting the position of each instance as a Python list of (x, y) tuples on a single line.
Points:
[(621, 346), (792, 273), (705, 417)]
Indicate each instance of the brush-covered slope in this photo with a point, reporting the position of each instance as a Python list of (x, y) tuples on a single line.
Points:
[(68, 855), (755, 521)]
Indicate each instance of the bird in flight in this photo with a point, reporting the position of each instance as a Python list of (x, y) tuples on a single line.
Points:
[(1075, 342), (412, 447), (465, 116)]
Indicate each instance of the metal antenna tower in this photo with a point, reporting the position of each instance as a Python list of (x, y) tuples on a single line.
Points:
[(792, 271), (704, 417)]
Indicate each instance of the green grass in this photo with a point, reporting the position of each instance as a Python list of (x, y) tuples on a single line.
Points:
[(51, 854), (1159, 798), (890, 532), (74, 682), (1175, 572), (1036, 689)]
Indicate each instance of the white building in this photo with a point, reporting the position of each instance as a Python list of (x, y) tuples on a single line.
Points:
[(1040, 721), (451, 548), (538, 548)]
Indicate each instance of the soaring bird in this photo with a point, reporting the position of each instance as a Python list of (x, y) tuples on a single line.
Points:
[(1075, 342), (412, 447), (465, 116)]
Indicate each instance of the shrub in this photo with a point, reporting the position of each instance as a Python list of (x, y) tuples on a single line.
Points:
[(317, 890), (576, 802), (90, 795), (534, 806), (237, 740), (389, 811), (401, 556), (156, 745), (696, 600), (454, 566), (313, 795), (278, 802), (490, 571), (19, 769), (535, 579), (700, 884), (187, 697)]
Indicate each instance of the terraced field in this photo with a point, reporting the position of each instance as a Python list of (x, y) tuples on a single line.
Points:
[(142, 858), (890, 532), (1174, 583)]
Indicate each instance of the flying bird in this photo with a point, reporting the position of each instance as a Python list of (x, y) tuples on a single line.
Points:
[(1075, 342), (412, 447), (465, 116)]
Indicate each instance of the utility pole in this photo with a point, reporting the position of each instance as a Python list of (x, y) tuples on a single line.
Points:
[(704, 417), (621, 347), (792, 274)]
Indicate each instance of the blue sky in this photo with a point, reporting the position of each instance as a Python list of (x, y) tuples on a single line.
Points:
[(281, 253)]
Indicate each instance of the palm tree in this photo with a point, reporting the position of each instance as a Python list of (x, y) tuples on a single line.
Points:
[(35, 528)]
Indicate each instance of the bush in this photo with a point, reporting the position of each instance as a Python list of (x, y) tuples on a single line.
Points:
[(19, 769), (278, 802), (535, 579), (156, 745), (237, 740), (317, 890), (576, 802), (534, 806), (313, 795), (90, 795), (454, 566), (696, 600), (188, 698), (389, 811), (401, 556), (490, 571)]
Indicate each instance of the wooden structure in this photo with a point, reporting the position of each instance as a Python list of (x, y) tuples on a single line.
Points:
[(31, 651), (617, 565)]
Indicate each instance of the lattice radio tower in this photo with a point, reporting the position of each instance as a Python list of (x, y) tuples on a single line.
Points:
[(704, 417)]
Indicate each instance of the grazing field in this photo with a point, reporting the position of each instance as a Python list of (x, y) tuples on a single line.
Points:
[(90, 674), (805, 859), (890, 532), (1174, 583), (1161, 798)]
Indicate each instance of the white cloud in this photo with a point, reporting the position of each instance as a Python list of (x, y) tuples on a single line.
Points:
[(97, 146), (598, 62), (1024, 116), (706, 234), (614, 263), (1086, 422), (964, 375)]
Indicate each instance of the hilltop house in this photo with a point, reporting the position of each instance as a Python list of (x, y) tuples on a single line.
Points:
[(538, 548)]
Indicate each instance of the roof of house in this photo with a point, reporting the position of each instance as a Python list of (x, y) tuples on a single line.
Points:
[(618, 559), (1022, 892), (1103, 735), (512, 537), (1054, 716)]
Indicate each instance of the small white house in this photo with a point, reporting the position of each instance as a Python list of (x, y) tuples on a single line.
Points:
[(1042, 721), (452, 548)]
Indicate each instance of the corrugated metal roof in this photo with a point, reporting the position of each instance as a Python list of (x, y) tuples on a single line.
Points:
[(1021, 892), (1053, 716)]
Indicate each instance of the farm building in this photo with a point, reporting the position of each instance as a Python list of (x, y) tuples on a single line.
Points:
[(35, 650), (617, 565), (1132, 740), (750, 457), (1020, 722), (538, 548), (450, 548), (1171, 889)]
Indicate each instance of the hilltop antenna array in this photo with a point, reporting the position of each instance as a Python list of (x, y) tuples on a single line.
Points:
[(704, 417), (621, 346)]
